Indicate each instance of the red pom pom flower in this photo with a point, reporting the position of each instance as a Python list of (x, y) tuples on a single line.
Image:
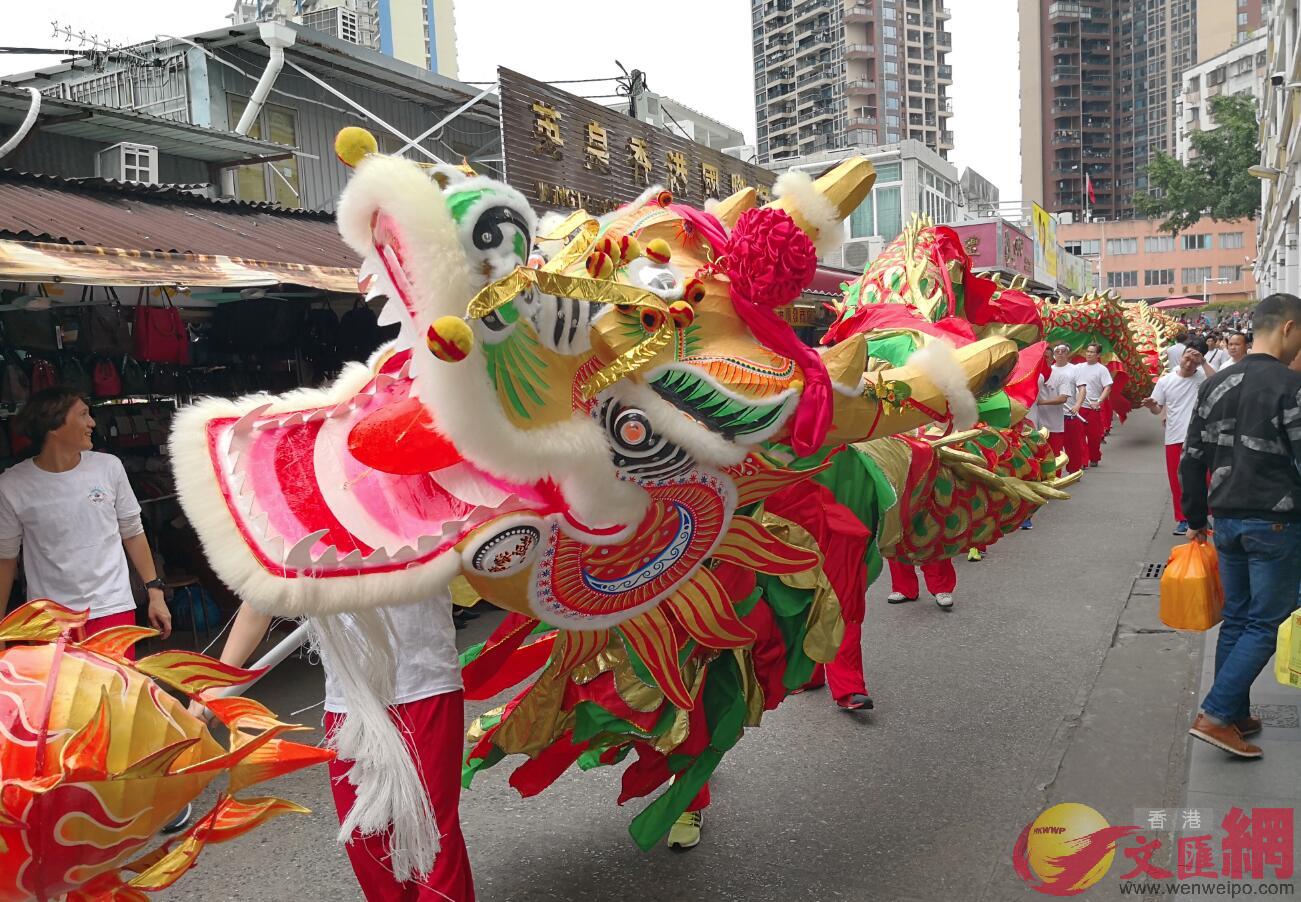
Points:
[(770, 260)]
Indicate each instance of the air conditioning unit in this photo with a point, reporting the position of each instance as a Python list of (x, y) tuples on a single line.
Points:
[(128, 162), (856, 253), (344, 24)]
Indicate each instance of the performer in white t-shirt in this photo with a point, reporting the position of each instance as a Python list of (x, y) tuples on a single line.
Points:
[(72, 514), (1094, 377), (1055, 391), (1175, 395), (428, 705)]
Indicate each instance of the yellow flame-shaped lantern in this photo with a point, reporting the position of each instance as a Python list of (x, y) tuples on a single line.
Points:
[(95, 758)]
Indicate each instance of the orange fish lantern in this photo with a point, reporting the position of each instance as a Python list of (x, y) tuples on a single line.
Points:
[(95, 758)]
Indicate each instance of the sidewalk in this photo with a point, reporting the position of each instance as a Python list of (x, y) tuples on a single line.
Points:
[(1218, 781)]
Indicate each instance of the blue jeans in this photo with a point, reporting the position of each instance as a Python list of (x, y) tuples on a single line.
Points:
[(1260, 567)]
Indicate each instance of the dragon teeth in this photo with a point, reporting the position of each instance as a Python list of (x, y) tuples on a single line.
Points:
[(244, 425), (300, 556)]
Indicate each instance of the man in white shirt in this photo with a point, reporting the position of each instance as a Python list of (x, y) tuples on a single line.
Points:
[(1050, 408), (72, 513), (1175, 352), (1175, 395), (1073, 429), (429, 704), (1218, 357), (1095, 379), (1236, 345)]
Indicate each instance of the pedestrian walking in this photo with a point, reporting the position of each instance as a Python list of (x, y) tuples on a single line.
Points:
[(1175, 395), (1095, 379), (1050, 409), (1240, 465)]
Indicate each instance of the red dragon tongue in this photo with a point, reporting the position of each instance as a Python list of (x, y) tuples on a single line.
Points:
[(401, 438)]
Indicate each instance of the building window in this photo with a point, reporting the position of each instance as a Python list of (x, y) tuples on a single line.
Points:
[(1158, 244), (1159, 277), (1197, 242), (1085, 247), (1230, 240), (889, 212), (862, 222), (1196, 274), (275, 182), (1127, 279), (889, 172), (1230, 273), (1118, 246)]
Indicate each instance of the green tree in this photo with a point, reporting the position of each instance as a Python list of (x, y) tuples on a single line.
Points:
[(1215, 182)]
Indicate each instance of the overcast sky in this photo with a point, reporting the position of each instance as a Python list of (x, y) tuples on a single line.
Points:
[(696, 52)]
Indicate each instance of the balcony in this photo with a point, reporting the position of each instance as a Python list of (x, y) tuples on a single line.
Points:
[(858, 13), (943, 13), (944, 74), (862, 122), (1067, 105), (861, 86), (859, 51), (1064, 137), (946, 138), (820, 74), (944, 40)]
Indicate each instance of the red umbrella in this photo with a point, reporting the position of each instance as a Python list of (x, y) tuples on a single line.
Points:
[(1179, 303)]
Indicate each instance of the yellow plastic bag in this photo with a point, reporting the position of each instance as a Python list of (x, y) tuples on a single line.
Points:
[(1191, 595), (1287, 661)]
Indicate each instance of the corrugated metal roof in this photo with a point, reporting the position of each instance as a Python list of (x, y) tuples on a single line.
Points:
[(99, 123), (104, 213)]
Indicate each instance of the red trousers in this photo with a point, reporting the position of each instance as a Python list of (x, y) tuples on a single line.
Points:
[(1108, 416), (99, 624), (940, 577), (845, 672), (1057, 441), (432, 728), (1077, 449), (1172, 455), (1094, 430)]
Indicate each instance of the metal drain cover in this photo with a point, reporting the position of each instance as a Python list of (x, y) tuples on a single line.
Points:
[(1151, 571), (1277, 715)]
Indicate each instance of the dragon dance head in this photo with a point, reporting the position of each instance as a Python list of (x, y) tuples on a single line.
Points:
[(573, 438)]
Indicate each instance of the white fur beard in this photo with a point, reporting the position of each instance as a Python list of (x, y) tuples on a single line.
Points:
[(390, 796), (939, 363)]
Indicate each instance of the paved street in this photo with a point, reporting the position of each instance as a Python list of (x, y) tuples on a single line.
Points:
[(1051, 681)]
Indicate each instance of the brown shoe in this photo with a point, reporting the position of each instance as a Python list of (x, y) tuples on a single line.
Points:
[(1224, 737), (1249, 725)]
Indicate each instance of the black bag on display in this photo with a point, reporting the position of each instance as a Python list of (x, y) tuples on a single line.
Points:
[(134, 380), (359, 332), (104, 330), (270, 327), (321, 338), (73, 374), (15, 387), (31, 330)]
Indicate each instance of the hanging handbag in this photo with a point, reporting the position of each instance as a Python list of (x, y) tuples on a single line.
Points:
[(15, 387), (31, 330), (134, 381), (43, 375), (104, 330), (73, 374), (160, 335), (105, 379)]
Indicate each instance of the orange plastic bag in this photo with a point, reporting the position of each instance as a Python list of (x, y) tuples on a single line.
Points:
[(1192, 597)]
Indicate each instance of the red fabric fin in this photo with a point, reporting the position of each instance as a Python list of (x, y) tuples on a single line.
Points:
[(535, 775)]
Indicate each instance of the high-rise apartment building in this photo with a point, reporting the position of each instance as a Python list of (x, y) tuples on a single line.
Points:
[(419, 32), (831, 74), (1102, 91)]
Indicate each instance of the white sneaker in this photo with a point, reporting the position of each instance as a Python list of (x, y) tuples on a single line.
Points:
[(897, 598), (945, 600)]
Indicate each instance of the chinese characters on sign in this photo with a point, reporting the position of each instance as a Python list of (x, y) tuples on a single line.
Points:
[(546, 126), (566, 152), (1254, 846)]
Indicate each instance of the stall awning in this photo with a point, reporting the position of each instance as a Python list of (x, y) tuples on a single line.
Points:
[(23, 261)]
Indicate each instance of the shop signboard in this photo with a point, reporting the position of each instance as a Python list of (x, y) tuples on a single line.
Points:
[(997, 246), (1045, 245), (564, 152)]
